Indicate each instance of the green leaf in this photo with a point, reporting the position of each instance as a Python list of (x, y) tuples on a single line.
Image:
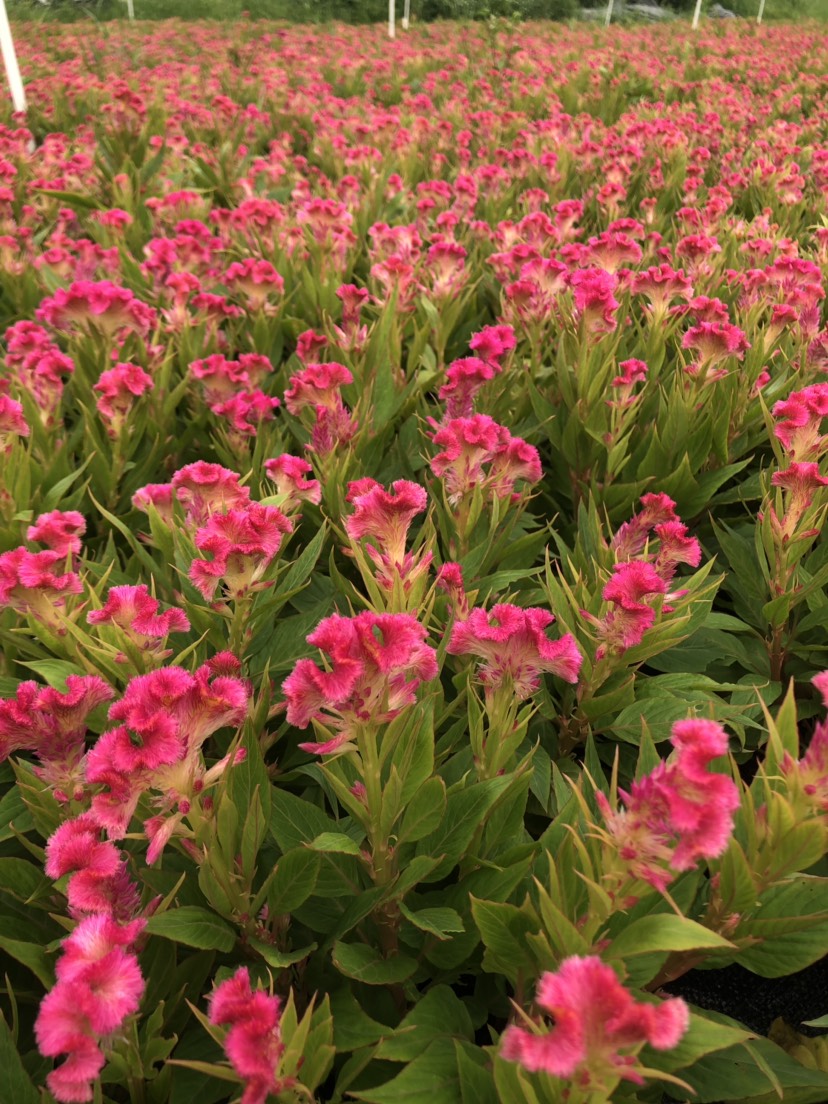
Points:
[(293, 881), (430, 1077), (365, 964), (503, 929), (466, 810), (437, 1015), (194, 927), (424, 812), (280, 960), (438, 922), (16, 1084), (665, 932), (335, 842)]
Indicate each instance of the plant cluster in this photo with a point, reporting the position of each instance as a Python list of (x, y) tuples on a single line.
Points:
[(412, 592)]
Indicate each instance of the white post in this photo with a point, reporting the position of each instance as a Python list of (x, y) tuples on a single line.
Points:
[(608, 17), (407, 12), (392, 14), (761, 11), (696, 15), (18, 94), (130, 9)]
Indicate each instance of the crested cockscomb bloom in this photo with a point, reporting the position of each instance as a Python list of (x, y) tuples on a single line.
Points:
[(12, 422), (29, 584), (516, 462), (630, 539), (714, 342), (809, 775), (633, 585), (464, 378), (678, 814), (254, 1042), (598, 1027), (318, 388), (594, 299), (309, 344), (450, 581), (52, 724), (382, 518), (352, 335), (242, 544), (290, 474), (119, 387), (99, 984), (493, 343), (477, 451), (165, 718), (515, 649), (99, 882), (102, 306), (39, 368), (799, 421), (223, 378), (446, 268), (257, 280), (244, 412), (612, 249), (204, 489), (377, 662), (660, 285), (60, 530), (675, 547), (159, 496), (630, 373), (800, 482), (134, 611)]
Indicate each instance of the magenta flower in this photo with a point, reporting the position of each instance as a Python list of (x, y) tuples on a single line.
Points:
[(464, 378), (799, 421), (60, 530), (810, 773), (100, 306), (598, 1029), (679, 813), (515, 648), (119, 387), (289, 473), (477, 451), (317, 388), (254, 1042), (134, 611), (630, 540), (660, 284), (801, 482), (28, 583), (256, 279), (594, 299), (632, 584), (492, 344), (242, 544), (631, 372), (12, 422), (205, 489), (377, 663), (99, 882), (385, 517), (714, 342), (245, 411)]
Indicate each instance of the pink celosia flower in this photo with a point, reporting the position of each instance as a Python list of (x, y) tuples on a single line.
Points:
[(223, 378), (52, 724), (160, 496), (631, 372), (102, 306), (464, 378), (377, 663), (245, 411), (450, 581), (318, 388), (242, 544), (679, 813), (99, 882), (205, 489), (714, 342), (119, 387), (477, 451), (631, 538), (799, 421), (256, 279), (675, 547), (633, 582), (660, 285), (289, 473), (134, 611), (385, 517), (801, 482), (254, 1042), (492, 343), (515, 648), (594, 300), (12, 422), (60, 530), (809, 775), (99, 984), (28, 583), (598, 1029)]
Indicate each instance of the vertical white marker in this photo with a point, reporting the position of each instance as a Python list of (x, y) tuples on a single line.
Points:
[(18, 94)]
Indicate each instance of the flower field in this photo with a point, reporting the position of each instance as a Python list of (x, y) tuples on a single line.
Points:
[(412, 596)]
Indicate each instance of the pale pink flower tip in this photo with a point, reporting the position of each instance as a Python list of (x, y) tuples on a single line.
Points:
[(598, 1026), (254, 1042), (59, 530)]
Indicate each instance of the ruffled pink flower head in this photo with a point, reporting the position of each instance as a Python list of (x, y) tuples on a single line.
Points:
[(660, 285), (100, 306), (12, 422), (384, 517), (160, 496), (450, 581), (678, 814), (29, 584), (493, 343), (60, 530), (257, 280), (477, 450), (599, 1027), (446, 268), (631, 372), (99, 984), (675, 547), (613, 249), (801, 483), (38, 366), (633, 585), (799, 421), (464, 378), (119, 387), (134, 611), (353, 300), (318, 388), (714, 342), (594, 299), (242, 544), (515, 648), (810, 773), (254, 1042), (290, 474), (377, 662), (221, 378), (309, 344), (244, 413), (99, 882), (631, 538), (204, 489), (52, 724)]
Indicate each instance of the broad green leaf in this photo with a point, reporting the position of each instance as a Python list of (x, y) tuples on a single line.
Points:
[(665, 932), (15, 1085), (293, 881), (430, 1077), (365, 964), (439, 922), (194, 927), (336, 843), (424, 812)]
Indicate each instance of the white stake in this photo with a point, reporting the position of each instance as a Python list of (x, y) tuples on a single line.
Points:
[(407, 12), (696, 15), (761, 11), (392, 14), (18, 94), (608, 17), (130, 9)]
